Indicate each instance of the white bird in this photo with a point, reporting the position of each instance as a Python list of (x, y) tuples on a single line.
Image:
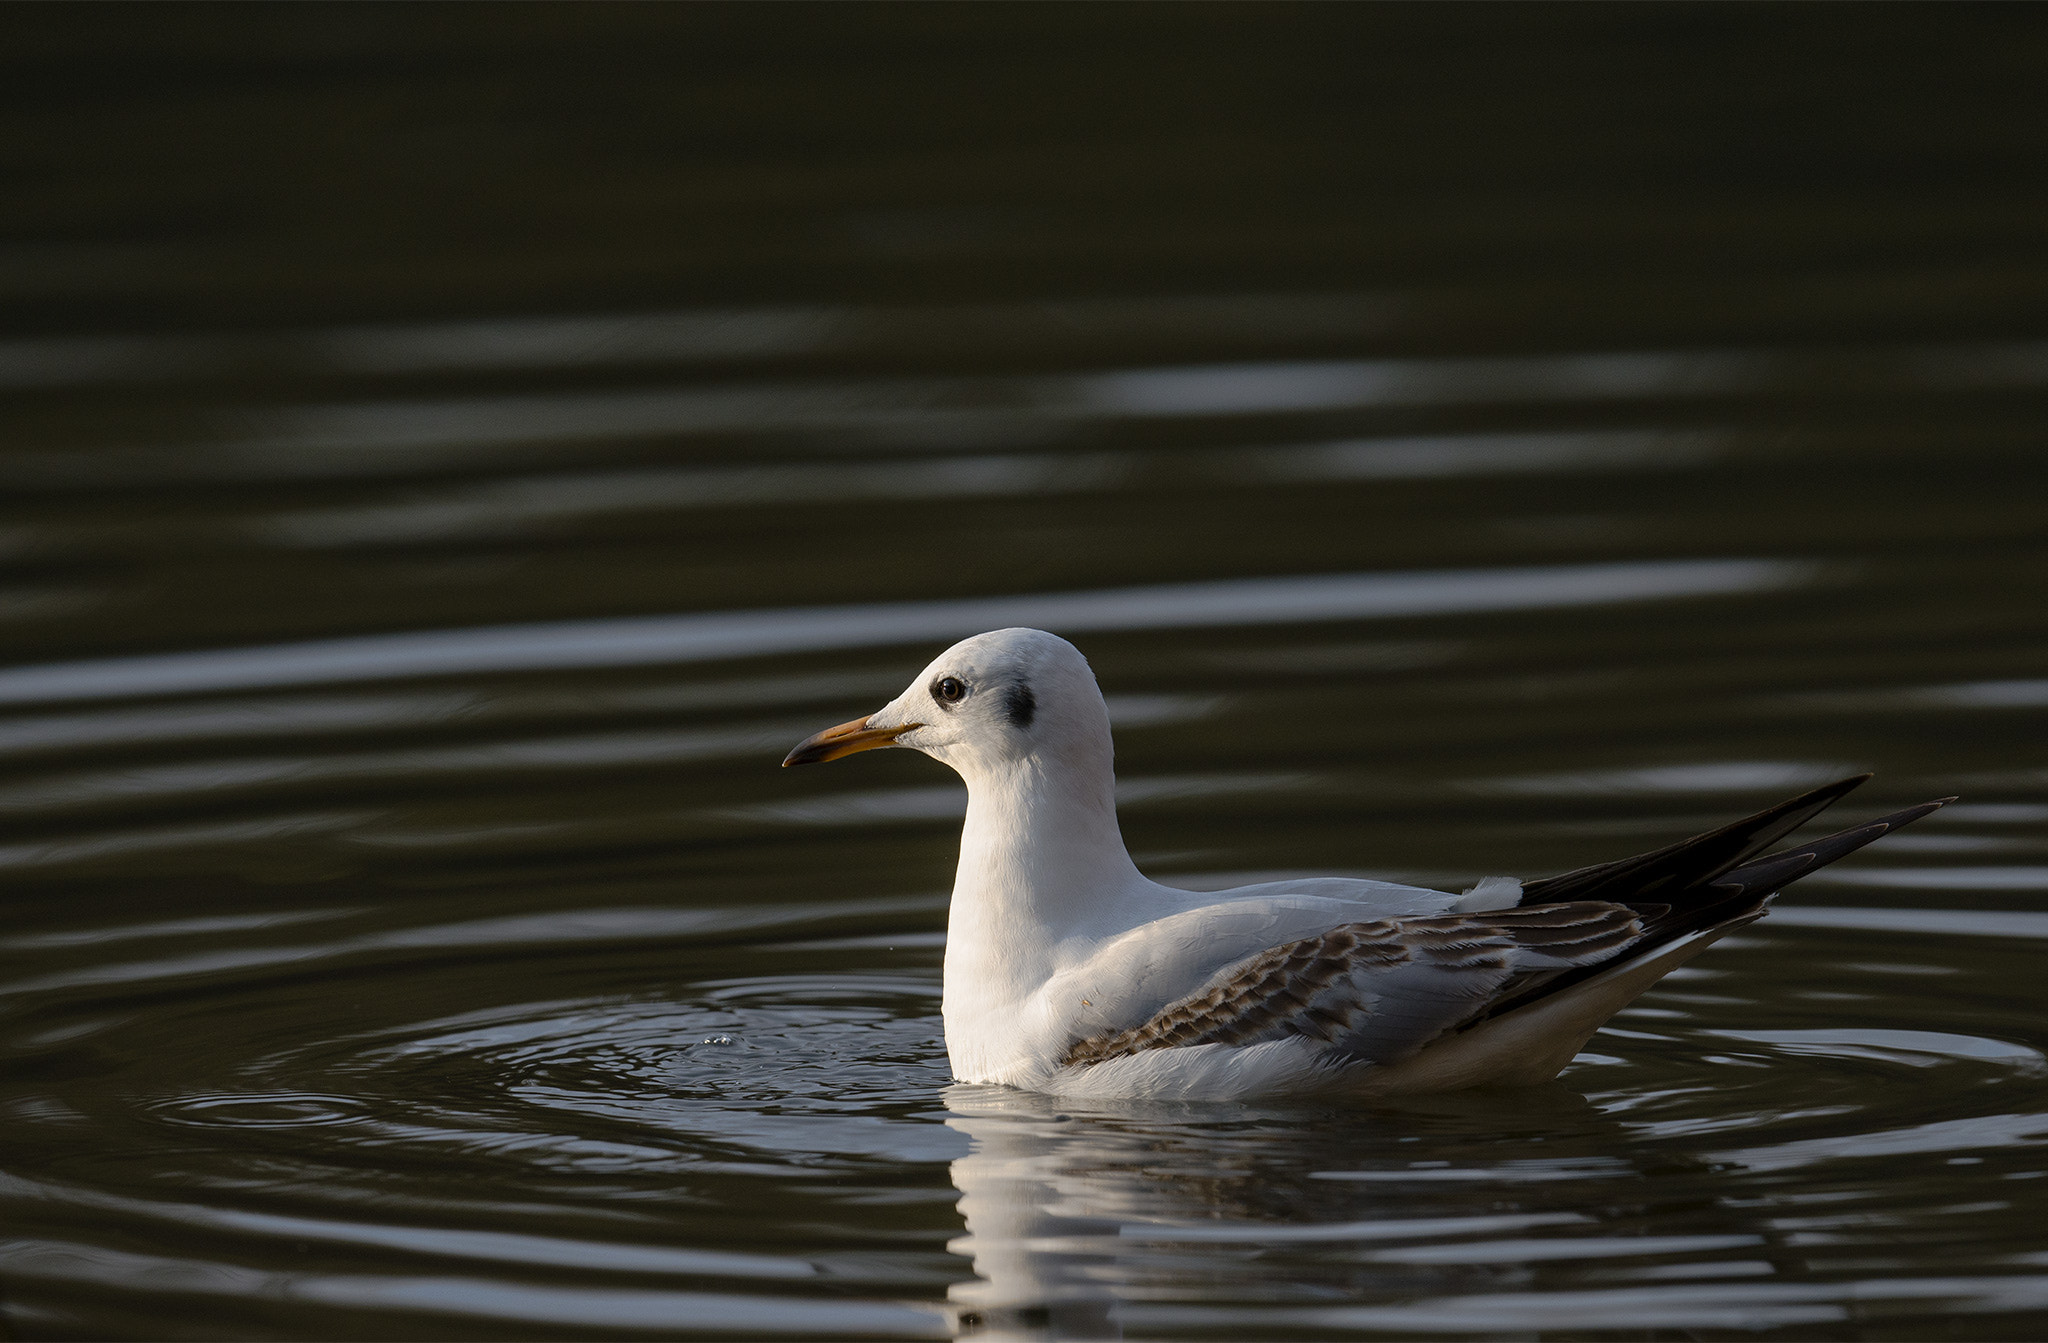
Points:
[(1068, 971)]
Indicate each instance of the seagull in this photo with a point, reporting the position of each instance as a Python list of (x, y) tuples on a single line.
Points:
[(1068, 971)]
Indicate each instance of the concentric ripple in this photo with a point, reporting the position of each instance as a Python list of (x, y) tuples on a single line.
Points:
[(1759, 1168)]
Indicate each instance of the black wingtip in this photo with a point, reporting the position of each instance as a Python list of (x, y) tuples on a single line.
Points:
[(1839, 788), (1691, 862), (1908, 815), (1781, 869), (1713, 893)]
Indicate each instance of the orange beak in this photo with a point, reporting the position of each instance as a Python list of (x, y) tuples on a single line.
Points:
[(845, 739)]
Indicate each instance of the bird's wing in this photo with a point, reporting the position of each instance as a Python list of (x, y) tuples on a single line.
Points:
[(1674, 907), (1381, 989), (1378, 989)]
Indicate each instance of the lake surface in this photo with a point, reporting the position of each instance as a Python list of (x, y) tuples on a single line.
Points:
[(450, 455)]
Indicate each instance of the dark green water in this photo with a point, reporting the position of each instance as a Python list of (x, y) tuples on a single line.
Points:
[(450, 454)]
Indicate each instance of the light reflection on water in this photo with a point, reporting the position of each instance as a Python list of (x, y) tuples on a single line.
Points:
[(659, 640), (409, 933)]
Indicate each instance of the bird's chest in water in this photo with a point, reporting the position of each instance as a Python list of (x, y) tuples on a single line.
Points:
[(997, 1047), (996, 1029), (1003, 1030)]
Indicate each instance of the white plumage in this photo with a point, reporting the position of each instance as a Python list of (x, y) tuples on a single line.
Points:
[(1067, 970)]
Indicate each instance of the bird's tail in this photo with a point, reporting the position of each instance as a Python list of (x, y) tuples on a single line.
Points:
[(1765, 876)]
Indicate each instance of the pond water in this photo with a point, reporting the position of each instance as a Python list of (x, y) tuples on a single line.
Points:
[(447, 462)]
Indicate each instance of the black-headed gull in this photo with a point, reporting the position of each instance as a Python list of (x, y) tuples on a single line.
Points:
[(1069, 971)]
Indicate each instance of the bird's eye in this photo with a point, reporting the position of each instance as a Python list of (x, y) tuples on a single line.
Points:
[(948, 690)]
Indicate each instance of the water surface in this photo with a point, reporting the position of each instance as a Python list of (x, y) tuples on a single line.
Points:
[(446, 466)]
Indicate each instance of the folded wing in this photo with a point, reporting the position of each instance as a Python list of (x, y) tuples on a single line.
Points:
[(1382, 990), (1379, 989)]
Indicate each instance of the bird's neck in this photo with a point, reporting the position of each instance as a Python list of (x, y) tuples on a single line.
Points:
[(1042, 862)]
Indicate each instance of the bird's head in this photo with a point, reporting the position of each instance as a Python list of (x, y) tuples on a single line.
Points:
[(1005, 696)]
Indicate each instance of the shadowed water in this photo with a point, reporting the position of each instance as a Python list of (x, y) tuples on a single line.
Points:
[(1460, 449)]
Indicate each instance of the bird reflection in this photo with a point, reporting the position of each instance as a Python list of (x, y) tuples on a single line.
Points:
[(1078, 1216)]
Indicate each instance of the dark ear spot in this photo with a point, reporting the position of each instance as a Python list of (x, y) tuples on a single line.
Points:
[(1020, 705)]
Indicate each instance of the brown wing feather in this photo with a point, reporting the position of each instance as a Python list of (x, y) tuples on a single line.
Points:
[(1381, 989), (1322, 987)]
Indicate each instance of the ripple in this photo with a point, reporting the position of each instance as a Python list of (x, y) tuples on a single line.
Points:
[(120, 1272), (1912, 1049), (471, 936), (1733, 1306), (1951, 922), (669, 640), (793, 1067), (271, 1110), (1732, 776), (1974, 1134)]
